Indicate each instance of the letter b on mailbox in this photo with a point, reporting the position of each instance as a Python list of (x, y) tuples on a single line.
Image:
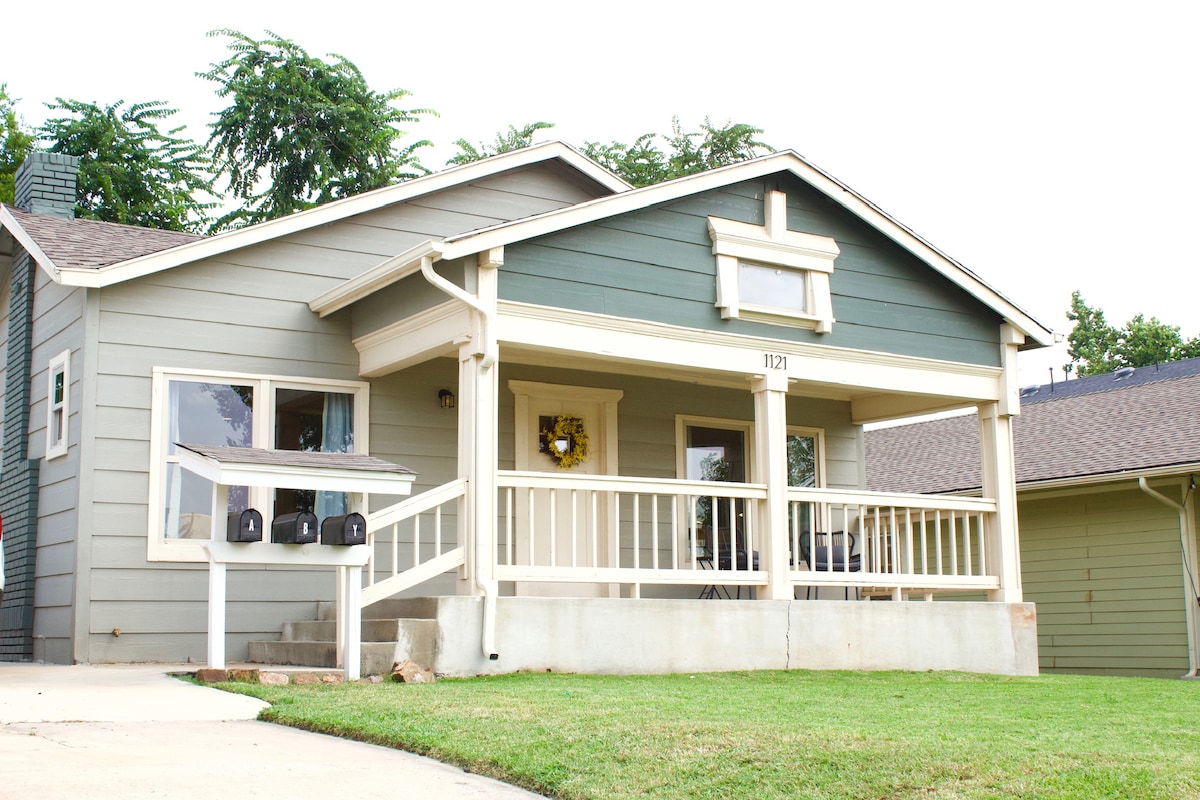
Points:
[(298, 528), (347, 530)]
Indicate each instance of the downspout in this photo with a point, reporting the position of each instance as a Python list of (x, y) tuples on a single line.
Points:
[(1189, 582), (487, 586)]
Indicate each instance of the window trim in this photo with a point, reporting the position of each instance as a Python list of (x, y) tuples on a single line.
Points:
[(160, 548), (57, 435), (773, 245)]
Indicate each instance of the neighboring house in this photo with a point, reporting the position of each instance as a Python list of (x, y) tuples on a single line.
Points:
[(616, 401), (1106, 477)]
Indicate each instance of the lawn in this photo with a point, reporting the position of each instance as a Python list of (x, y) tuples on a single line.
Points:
[(783, 734)]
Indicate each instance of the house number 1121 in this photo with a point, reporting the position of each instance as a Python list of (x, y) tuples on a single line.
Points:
[(774, 361)]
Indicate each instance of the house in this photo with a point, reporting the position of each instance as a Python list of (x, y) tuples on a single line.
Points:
[(1106, 476), (614, 401)]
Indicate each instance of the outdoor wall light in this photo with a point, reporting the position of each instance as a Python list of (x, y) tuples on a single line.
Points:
[(446, 398)]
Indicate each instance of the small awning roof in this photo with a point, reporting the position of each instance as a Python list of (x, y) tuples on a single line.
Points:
[(295, 469)]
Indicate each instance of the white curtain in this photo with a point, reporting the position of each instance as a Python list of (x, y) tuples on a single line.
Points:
[(337, 426)]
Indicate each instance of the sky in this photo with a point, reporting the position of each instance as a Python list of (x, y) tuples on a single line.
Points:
[(1047, 146)]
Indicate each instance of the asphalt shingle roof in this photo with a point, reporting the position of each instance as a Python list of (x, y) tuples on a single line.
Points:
[(1101, 428), (88, 244)]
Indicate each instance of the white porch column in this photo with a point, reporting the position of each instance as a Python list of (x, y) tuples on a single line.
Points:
[(770, 446), (999, 483)]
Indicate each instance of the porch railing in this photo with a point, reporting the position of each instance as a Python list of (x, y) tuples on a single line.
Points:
[(419, 537), (642, 531), (903, 542)]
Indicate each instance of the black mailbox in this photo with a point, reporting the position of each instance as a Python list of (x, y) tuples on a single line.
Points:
[(346, 529), (244, 526), (298, 528)]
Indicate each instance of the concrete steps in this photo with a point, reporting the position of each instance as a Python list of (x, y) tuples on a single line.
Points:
[(392, 631)]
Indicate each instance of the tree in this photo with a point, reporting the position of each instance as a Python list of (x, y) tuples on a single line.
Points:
[(514, 139), (130, 172), (300, 131), (643, 163), (1095, 347), (16, 142)]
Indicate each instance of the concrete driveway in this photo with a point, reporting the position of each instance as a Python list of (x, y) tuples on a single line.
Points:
[(136, 732)]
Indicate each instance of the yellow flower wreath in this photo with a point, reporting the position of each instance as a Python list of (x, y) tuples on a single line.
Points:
[(571, 430)]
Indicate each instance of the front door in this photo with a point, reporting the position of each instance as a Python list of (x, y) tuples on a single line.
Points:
[(550, 532)]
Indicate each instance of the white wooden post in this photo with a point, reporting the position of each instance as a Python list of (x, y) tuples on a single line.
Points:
[(216, 581), (770, 436), (999, 483)]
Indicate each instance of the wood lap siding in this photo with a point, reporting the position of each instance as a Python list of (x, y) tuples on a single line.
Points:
[(1105, 572), (657, 264)]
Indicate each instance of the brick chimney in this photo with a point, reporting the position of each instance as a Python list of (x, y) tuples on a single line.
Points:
[(45, 184)]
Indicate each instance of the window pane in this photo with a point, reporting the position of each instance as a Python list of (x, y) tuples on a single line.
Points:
[(313, 421), (717, 454), (802, 460), (203, 413), (773, 287)]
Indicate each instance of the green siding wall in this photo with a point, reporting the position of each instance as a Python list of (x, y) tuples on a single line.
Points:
[(1105, 572), (657, 264)]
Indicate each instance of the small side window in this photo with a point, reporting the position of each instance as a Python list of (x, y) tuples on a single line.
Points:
[(58, 405)]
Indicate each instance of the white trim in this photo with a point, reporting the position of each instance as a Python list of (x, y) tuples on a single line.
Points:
[(10, 223), (341, 209), (383, 274), (58, 432), (676, 347), (160, 548), (413, 340)]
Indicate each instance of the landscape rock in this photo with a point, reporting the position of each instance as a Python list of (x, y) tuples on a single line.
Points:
[(209, 675), (273, 678), (409, 671), (302, 678)]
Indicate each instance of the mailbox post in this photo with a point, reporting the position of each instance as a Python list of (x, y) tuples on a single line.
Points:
[(356, 474)]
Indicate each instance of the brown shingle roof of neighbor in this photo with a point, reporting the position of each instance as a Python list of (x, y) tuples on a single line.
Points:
[(85, 243), (1100, 433)]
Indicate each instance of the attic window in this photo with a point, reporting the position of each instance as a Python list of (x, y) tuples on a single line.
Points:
[(770, 274)]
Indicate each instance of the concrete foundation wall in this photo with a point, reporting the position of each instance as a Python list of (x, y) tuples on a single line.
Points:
[(622, 636)]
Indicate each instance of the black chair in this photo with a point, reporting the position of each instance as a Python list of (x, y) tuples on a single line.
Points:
[(830, 552), (723, 561)]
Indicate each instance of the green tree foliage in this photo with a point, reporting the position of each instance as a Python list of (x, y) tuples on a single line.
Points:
[(644, 162), (129, 171), (1095, 347), (16, 142), (300, 131), (514, 139)]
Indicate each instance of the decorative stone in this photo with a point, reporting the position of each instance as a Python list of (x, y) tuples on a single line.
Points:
[(409, 671), (273, 678), (305, 678), (370, 679), (209, 675), (244, 675), (333, 677)]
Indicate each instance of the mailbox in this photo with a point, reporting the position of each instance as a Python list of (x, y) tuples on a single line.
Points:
[(244, 526), (347, 529), (297, 528)]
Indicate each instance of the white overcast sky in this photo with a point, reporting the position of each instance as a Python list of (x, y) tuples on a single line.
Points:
[(1048, 146)]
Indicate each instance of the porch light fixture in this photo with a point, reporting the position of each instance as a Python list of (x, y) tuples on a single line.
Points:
[(446, 398)]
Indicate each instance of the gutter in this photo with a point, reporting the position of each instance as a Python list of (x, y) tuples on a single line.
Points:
[(1193, 598), (487, 586)]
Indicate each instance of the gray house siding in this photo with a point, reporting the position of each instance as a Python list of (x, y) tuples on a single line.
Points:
[(657, 264)]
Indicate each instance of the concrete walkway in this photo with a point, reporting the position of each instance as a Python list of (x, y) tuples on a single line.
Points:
[(136, 732)]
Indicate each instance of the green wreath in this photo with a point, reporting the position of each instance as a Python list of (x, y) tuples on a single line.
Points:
[(567, 441)]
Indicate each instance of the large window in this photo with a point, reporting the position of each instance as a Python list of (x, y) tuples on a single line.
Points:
[(242, 411), (715, 450)]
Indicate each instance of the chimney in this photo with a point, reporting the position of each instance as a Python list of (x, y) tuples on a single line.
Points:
[(45, 184)]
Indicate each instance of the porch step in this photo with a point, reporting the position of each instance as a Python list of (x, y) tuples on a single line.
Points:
[(385, 641)]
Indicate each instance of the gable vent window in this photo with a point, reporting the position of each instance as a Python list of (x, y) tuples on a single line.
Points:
[(58, 406), (769, 274)]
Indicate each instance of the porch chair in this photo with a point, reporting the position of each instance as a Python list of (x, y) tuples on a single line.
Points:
[(830, 555)]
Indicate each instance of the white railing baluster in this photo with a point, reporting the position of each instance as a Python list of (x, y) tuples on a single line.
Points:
[(953, 545), (574, 529), (437, 531), (654, 531), (595, 532), (966, 521), (979, 523), (395, 549), (924, 544), (554, 527)]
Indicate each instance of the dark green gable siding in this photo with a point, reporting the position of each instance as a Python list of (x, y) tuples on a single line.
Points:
[(657, 264)]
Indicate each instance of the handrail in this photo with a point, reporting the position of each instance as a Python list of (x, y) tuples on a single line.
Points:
[(416, 505), (898, 499), (513, 479)]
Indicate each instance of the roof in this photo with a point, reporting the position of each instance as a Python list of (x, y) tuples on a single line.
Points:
[(356, 462), (478, 241), (1099, 428), (170, 254), (89, 244)]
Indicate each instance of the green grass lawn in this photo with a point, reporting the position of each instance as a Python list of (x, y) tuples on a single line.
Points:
[(783, 734)]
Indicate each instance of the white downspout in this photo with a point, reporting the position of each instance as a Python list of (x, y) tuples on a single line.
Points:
[(1188, 571), (486, 585)]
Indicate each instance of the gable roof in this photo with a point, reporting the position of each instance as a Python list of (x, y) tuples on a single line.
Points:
[(478, 241), (85, 243), (1089, 430), (94, 268)]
